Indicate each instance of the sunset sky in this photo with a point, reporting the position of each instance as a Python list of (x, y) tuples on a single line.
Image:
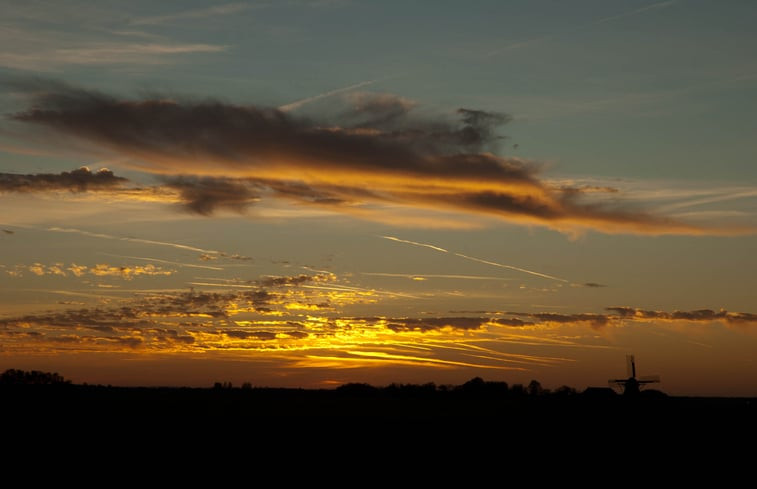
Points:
[(308, 193)]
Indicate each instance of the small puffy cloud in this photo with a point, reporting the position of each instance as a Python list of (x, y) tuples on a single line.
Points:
[(80, 180)]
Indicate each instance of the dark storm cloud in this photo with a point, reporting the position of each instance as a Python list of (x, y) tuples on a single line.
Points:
[(243, 134), (377, 151), (479, 127), (80, 180), (204, 195)]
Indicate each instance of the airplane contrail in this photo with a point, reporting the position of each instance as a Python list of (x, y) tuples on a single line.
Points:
[(510, 267), (133, 240), (433, 275), (526, 42), (479, 260), (415, 243), (653, 6), (299, 103)]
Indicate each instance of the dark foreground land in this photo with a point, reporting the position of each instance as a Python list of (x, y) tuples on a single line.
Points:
[(403, 424), (471, 405), (419, 428), (488, 425), (38, 404)]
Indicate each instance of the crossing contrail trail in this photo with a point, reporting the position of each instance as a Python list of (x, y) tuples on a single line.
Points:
[(300, 103), (535, 40), (415, 243), (133, 240), (473, 258), (653, 6)]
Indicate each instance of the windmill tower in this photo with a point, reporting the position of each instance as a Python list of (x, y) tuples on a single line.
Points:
[(632, 386)]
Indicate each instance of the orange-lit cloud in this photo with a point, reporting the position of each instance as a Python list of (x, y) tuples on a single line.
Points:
[(376, 153), (299, 322), (126, 272), (618, 314)]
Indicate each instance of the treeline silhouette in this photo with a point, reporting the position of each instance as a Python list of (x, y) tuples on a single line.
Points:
[(34, 377), (476, 388), (48, 402)]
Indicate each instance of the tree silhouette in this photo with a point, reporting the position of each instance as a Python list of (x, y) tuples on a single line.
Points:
[(534, 388), (34, 377)]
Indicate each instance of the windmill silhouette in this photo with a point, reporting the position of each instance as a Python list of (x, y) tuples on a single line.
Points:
[(632, 386)]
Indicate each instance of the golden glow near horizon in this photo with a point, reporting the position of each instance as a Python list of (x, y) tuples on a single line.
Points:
[(299, 322)]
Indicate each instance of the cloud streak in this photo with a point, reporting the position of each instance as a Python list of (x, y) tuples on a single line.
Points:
[(200, 13), (473, 258), (618, 314), (443, 164), (653, 6), (102, 53), (299, 103), (133, 240)]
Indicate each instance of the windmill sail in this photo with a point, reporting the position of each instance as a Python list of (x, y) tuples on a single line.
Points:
[(631, 385)]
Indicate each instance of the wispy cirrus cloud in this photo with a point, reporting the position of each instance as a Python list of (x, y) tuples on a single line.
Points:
[(631, 13), (198, 13), (426, 276), (203, 254), (39, 38), (524, 43), (413, 161), (47, 58)]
